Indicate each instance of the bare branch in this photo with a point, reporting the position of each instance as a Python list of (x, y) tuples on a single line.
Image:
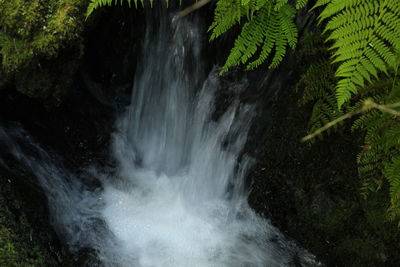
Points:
[(330, 124), (367, 106), (387, 108), (193, 7)]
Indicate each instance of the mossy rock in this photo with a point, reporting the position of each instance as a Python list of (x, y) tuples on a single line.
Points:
[(19, 245), (35, 32)]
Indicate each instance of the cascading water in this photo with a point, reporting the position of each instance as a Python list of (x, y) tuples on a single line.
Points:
[(177, 196)]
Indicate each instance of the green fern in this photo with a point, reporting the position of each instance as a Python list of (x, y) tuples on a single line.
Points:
[(301, 3), (366, 36), (392, 172), (226, 15), (378, 161), (317, 85), (269, 30)]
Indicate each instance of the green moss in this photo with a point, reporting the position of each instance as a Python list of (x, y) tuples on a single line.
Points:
[(35, 31), (14, 52), (17, 246)]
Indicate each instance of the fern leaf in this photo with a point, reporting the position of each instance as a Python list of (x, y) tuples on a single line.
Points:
[(279, 4), (268, 45), (226, 15), (379, 161), (320, 3), (392, 173), (301, 3), (94, 4), (269, 31), (366, 37), (289, 29)]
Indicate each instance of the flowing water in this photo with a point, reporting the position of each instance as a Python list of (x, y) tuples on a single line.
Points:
[(177, 196)]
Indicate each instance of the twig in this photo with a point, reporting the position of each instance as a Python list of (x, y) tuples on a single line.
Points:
[(367, 106), (388, 108), (330, 124), (193, 7), (395, 105)]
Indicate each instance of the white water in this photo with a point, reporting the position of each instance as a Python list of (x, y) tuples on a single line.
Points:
[(177, 197)]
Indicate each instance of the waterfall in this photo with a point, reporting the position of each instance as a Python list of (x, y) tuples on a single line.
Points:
[(176, 196)]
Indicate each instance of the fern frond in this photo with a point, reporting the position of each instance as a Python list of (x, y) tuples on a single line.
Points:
[(320, 3), (319, 89), (248, 41), (365, 120), (269, 31), (366, 38), (94, 4), (392, 174), (268, 45), (288, 28), (378, 162), (279, 4), (226, 15), (301, 3)]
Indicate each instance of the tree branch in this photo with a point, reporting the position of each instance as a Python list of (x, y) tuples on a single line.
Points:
[(367, 106), (193, 7)]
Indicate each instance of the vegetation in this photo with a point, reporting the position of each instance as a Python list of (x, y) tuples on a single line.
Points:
[(20, 244), (366, 41), (313, 189), (32, 34), (270, 27), (366, 60)]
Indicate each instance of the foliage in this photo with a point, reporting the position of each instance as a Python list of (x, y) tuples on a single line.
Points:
[(378, 164), (319, 82), (268, 30), (379, 159), (366, 37)]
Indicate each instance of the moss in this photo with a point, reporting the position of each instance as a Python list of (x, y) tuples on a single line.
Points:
[(34, 32), (18, 243)]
